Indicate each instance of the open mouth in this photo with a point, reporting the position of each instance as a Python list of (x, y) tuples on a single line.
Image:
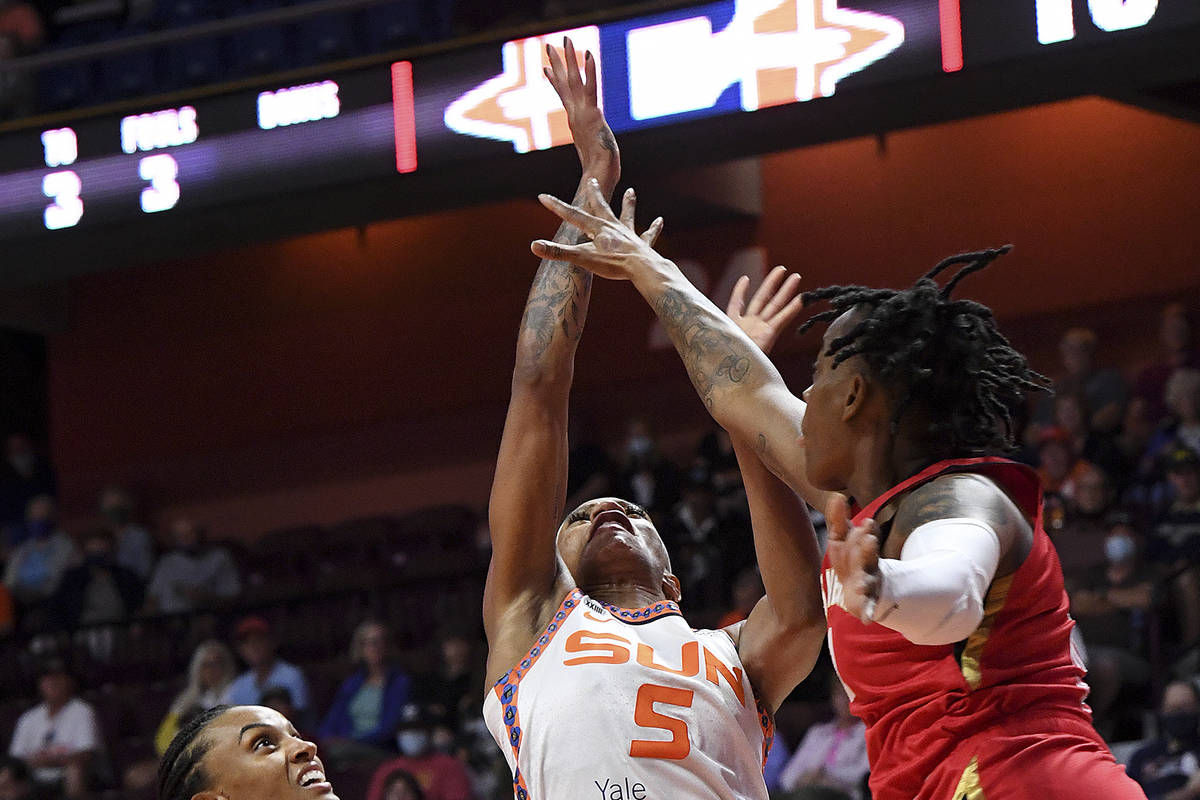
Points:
[(313, 777)]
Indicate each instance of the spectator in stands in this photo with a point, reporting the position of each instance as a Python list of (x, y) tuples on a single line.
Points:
[(1177, 539), (692, 532), (279, 698), (99, 589), (1168, 767), (1112, 609), (646, 476), (440, 775), (832, 757), (1059, 466), (1086, 521), (256, 646), (1071, 415), (37, 565), (748, 589), (59, 738), (24, 476), (8, 611), (15, 781), (361, 723), (1183, 400), (452, 690), (1175, 335), (400, 784), (134, 545), (193, 574), (1104, 390), (210, 673)]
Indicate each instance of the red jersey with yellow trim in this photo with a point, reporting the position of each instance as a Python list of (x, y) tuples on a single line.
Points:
[(629, 704), (975, 719)]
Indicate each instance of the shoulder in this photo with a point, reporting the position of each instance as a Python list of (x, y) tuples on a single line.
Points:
[(960, 494), (80, 709)]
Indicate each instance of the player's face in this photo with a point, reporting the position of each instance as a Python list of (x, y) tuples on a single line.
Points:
[(256, 754), (827, 445), (607, 539)]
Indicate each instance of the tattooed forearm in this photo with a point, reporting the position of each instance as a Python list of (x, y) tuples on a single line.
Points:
[(713, 356), (558, 301)]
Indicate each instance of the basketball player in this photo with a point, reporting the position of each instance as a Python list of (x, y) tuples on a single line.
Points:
[(241, 753), (600, 687), (948, 619)]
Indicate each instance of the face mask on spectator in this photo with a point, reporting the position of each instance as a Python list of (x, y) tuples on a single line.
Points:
[(1118, 549), (412, 742)]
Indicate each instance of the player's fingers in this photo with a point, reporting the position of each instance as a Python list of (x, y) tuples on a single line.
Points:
[(628, 207), (650, 235), (556, 251), (557, 74), (737, 298), (769, 285), (581, 219), (574, 79), (781, 297), (836, 518), (789, 312), (589, 69)]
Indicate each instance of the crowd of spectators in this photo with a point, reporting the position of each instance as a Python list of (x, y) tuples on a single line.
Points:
[(1119, 454)]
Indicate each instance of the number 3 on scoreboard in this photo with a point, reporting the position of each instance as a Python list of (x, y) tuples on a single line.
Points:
[(678, 746), (163, 192), (67, 209)]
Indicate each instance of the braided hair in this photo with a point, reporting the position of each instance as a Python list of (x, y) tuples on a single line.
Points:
[(179, 773), (943, 355)]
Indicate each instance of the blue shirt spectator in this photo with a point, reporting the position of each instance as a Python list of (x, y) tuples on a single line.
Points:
[(257, 648)]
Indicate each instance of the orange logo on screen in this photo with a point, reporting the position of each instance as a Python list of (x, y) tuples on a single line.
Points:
[(520, 105), (848, 36)]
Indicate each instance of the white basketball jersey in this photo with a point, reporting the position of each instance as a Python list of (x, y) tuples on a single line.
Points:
[(629, 704)]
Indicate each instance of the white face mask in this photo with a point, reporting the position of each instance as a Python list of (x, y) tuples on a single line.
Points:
[(1118, 549)]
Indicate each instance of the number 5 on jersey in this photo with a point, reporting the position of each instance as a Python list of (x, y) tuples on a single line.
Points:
[(679, 745)]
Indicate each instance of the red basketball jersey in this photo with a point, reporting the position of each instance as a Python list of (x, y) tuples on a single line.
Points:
[(934, 712)]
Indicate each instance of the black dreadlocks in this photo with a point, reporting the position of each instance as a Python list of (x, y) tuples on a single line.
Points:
[(945, 356), (180, 775)]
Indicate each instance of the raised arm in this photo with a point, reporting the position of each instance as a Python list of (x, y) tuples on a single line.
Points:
[(530, 481), (737, 382), (780, 641)]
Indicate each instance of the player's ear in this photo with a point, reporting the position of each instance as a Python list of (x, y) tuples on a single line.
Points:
[(855, 395), (671, 587)]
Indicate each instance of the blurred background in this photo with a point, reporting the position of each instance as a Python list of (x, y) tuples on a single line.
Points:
[(263, 264)]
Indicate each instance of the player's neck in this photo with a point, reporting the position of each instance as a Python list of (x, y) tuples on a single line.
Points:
[(624, 594)]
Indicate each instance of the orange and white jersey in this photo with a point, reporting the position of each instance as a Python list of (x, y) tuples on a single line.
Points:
[(629, 704)]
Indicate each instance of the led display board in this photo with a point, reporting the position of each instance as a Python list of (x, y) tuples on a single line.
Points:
[(491, 103)]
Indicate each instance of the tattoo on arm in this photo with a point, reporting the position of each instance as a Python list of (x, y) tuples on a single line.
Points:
[(712, 356), (558, 299)]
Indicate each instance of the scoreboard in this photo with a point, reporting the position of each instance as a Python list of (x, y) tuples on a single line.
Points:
[(489, 105)]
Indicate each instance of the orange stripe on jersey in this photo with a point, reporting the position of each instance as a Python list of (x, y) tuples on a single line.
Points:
[(507, 687)]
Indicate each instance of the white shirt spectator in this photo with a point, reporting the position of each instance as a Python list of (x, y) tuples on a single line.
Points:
[(839, 753), (179, 573), (72, 730)]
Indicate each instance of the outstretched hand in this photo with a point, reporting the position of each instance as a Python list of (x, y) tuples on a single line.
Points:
[(594, 140), (771, 309), (854, 553), (615, 249)]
